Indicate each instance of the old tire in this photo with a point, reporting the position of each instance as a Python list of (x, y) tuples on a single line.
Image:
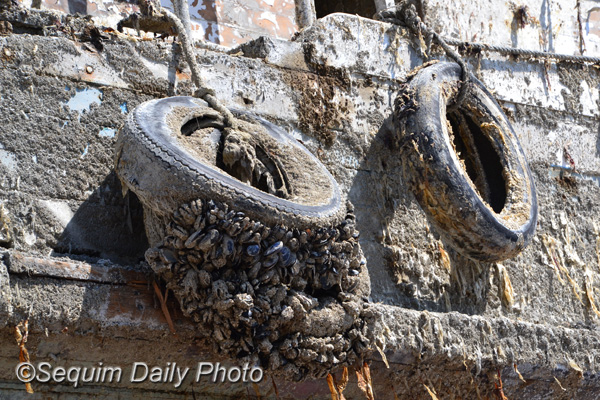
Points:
[(267, 279), (465, 165), (153, 160)]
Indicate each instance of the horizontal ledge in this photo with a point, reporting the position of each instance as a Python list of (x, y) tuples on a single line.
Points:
[(101, 272)]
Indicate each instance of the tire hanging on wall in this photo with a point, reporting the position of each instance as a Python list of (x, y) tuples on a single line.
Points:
[(163, 159), (250, 233), (465, 165)]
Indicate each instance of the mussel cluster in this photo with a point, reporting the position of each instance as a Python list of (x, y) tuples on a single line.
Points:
[(289, 300)]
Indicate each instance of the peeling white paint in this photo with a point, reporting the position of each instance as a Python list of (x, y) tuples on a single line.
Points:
[(107, 132), (587, 97), (83, 99), (8, 159), (73, 65), (271, 17), (158, 69), (30, 238), (560, 158), (60, 209), (557, 170)]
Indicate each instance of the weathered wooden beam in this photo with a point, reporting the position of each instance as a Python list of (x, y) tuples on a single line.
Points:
[(100, 272)]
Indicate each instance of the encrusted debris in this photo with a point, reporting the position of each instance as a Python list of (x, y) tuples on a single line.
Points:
[(24, 369), (285, 299), (507, 293), (6, 28), (6, 239)]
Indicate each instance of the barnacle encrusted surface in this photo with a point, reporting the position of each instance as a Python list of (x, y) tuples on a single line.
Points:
[(285, 299)]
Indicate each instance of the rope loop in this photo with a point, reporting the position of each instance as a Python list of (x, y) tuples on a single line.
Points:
[(406, 14), (179, 23)]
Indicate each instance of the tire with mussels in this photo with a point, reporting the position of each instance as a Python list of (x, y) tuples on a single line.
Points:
[(250, 232)]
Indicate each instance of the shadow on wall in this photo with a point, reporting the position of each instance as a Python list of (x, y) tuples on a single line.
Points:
[(405, 263), (106, 225), (77, 6)]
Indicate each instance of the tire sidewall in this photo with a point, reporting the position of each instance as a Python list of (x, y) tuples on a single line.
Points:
[(443, 190)]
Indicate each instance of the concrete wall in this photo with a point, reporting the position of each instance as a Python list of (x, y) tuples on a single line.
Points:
[(443, 320)]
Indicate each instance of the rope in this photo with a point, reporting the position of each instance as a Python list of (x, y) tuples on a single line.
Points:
[(523, 52), (406, 14), (203, 91), (392, 17), (182, 10)]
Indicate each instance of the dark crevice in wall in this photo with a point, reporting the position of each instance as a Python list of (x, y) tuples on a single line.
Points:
[(364, 8)]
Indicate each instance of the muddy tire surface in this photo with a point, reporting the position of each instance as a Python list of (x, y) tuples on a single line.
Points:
[(171, 152), (465, 165)]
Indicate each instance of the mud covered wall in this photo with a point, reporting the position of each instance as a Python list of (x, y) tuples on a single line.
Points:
[(532, 24), (332, 88)]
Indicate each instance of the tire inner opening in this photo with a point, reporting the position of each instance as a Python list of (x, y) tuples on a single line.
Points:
[(248, 162), (479, 158)]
